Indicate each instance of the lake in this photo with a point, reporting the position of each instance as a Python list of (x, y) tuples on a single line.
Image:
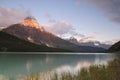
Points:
[(13, 65)]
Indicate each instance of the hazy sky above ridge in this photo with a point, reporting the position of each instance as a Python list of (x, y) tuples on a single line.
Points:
[(83, 19)]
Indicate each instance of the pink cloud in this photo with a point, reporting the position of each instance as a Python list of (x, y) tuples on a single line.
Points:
[(11, 16), (59, 28)]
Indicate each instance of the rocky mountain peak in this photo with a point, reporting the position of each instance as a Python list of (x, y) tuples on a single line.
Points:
[(31, 22)]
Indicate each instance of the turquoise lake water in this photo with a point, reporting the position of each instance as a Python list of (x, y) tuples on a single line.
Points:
[(21, 64)]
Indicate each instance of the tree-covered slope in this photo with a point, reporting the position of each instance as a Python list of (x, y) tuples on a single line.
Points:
[(115, 47), (13, 44)]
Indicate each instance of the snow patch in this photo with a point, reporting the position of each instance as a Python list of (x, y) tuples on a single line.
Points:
[(30, 39)]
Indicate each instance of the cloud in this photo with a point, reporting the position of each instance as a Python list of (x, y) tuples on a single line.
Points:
[(59, 28), (62, 28), (81, 38), (87, 39), (78, 36), (67, 32), (11, 16), (110, 7), (111, 42), (50, 19)]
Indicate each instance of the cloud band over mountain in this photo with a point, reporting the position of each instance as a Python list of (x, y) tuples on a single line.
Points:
[(59, 28), (11, 16)]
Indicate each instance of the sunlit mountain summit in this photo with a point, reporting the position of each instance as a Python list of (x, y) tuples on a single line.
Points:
[(31, 22)]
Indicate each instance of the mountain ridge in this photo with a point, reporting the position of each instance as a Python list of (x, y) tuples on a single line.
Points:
[(9, 43), (30, 30), (115, 47), (94, 43)]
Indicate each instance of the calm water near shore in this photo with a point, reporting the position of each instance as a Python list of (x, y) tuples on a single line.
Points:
[(16, 65)]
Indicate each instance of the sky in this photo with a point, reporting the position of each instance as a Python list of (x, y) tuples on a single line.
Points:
[(89, 20)]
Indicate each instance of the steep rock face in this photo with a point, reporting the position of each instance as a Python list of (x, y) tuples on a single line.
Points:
[(115, 47), (9, 43)]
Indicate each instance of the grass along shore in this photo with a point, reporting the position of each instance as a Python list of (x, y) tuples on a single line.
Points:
[(111, 71)]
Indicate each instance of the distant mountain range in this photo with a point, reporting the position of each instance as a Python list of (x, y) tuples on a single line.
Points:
[(89, 43), (29, 32)]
